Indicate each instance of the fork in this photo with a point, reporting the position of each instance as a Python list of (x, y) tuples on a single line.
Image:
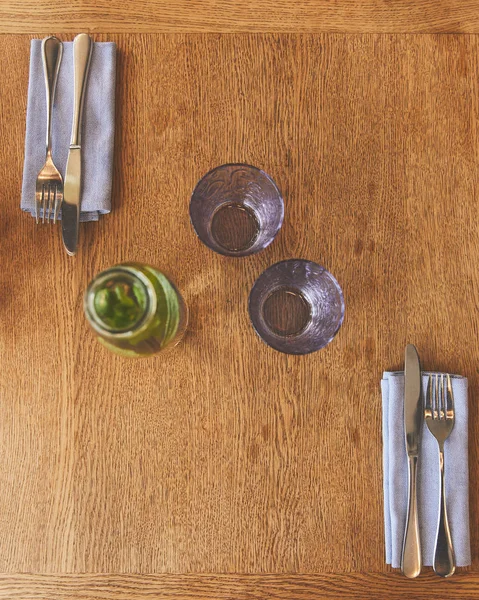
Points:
[(439, 416), (49, 185)]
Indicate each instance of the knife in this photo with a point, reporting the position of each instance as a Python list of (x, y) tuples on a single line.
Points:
[(82, 49), (411, 561)]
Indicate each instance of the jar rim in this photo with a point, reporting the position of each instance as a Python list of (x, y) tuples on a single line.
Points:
[(143, 322)]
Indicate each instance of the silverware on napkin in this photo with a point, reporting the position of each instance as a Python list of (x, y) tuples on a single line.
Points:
[(395, 474), (440, 417), (49, 184), (82, 49), (411, 561)]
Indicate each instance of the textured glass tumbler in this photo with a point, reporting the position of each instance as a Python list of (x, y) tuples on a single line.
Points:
[(236, 210), (296, 306)]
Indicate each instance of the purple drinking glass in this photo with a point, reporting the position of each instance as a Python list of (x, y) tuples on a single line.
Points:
[(296, 306), (236, 210)]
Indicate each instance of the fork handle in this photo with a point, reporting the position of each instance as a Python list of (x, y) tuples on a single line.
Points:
[(82, 48), (444, 559), (411, 561), (52, 50)]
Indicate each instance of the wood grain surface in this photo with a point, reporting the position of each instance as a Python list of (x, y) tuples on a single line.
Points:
[(226, 456), (245, 16), (352, 586)]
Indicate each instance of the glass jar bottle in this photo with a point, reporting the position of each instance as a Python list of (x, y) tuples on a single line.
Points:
[(135, 310)]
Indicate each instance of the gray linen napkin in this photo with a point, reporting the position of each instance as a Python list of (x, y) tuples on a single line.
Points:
[(396, 478), (98, 127)]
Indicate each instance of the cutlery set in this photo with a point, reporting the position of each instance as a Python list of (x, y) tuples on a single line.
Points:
[(438, 412), (51, 192)]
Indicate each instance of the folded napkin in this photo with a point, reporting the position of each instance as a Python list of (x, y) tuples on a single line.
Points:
[(396, 474), (98, 127)]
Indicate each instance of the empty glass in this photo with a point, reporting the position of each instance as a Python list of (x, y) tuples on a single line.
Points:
[(236, 210), (296, 306)]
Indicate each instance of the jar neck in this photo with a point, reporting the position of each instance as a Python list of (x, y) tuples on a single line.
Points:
[(120, 302)]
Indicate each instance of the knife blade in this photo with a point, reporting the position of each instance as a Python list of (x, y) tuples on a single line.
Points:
[(82, 49), (411, 561), (71, 201)]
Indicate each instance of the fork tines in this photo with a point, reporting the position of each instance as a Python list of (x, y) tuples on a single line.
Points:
[(48, 198), (439, 403)]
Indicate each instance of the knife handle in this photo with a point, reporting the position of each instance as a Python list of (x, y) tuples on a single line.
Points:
[(82, 49), (411, 552), (52, 50)]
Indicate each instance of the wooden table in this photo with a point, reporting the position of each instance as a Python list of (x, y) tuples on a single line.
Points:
[(228, 470)]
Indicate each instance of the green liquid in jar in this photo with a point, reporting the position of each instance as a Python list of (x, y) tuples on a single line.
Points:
[(135, 310)]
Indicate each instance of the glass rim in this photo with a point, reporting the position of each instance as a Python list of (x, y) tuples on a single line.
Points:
[(278, 341), (141, 325), (247, 251)]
